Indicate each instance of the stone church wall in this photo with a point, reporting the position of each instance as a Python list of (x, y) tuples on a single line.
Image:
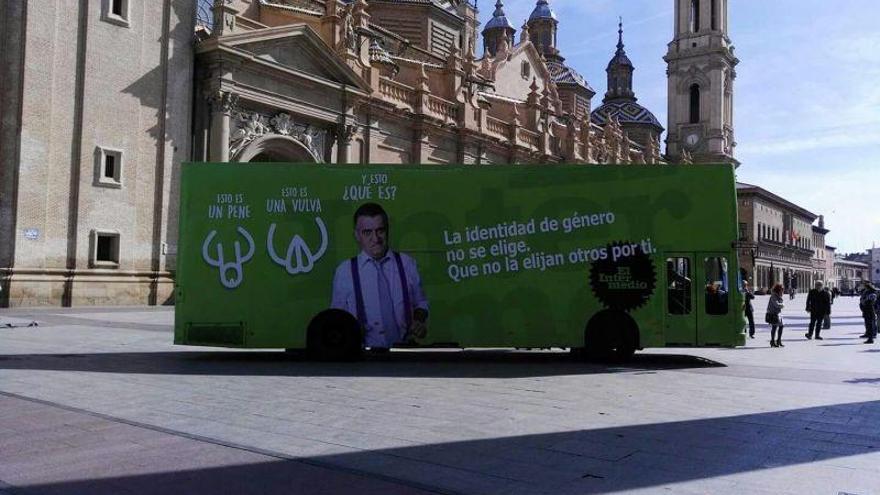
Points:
[(92, 85)]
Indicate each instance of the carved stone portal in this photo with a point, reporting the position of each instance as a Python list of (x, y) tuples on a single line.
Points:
[(249, 126)]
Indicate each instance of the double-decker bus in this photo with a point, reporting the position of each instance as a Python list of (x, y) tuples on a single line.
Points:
[(603, 258)]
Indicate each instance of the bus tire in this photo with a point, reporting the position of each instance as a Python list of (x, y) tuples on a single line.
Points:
[(334, 335), (611, 336)]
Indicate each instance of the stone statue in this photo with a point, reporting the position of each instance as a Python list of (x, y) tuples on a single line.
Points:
[(686, 157)]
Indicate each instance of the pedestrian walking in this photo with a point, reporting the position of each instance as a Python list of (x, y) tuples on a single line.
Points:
[(748, 308), (791, 293), (868, 305), (818, 305), (774, 315)]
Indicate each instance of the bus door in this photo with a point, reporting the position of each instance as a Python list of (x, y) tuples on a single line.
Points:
[(680, 325), (715, 298)]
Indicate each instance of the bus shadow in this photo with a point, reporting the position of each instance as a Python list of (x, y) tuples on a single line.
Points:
[(421, 364)]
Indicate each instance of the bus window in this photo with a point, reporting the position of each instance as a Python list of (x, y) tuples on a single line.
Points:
[(678, 276), (716, 286)]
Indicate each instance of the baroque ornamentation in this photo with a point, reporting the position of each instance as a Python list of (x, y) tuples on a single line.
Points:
[(345, 133), (615, 142), (349, 36), (223, 101), (252, 125)]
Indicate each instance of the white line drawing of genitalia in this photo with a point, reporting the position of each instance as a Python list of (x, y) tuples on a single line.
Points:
[(236, 265), (299, 250)]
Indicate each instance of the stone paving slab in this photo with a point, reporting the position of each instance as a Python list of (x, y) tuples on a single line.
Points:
[(60, 450), (97, 384)]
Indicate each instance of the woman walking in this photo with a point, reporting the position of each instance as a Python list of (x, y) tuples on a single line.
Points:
[(774, 315)]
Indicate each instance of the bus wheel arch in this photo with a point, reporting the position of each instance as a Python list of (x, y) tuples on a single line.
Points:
[(611, 334), (334, 335)]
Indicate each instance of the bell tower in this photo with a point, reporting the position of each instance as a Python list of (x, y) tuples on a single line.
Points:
[(700, 72)]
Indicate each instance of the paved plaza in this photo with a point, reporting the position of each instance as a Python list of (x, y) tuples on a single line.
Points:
[(99, 401)]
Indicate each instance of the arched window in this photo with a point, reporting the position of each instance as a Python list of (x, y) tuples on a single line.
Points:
[(695, 16), (695, 104)]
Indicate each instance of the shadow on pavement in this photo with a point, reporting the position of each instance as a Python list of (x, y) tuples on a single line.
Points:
[(422, 364), (864, 380), (600, 460)]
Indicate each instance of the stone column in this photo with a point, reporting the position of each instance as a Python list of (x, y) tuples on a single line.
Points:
[(344, 134), (222, 105)]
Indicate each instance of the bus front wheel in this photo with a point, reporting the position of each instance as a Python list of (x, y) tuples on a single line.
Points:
[(611, 335), (334, 335)]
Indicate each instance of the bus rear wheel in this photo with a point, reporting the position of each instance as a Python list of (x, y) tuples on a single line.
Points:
[(334, 335), (611, 336)]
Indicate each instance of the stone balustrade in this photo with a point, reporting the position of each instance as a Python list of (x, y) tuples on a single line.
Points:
[(398, 93), (529, 139), (498, 128), (441, 109)]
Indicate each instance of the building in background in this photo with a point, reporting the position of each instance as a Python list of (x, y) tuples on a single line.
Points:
[(830, 274), (782, 235), (820, 260), (850, 272), (112, 96), (875, 265)]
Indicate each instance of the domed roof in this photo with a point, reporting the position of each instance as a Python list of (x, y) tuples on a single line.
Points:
[(563, 74), (543, 11), (627, 112), (619, 58), (499, 19)]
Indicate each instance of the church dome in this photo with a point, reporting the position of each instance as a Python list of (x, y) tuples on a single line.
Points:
[(543, 11), (499, 19), (627, 112), (620, 59), (563, 74)]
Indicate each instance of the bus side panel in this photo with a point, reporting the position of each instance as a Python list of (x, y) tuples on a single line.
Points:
[(508, 256)]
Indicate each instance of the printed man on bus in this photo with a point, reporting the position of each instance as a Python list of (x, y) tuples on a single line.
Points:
[(379, 286)]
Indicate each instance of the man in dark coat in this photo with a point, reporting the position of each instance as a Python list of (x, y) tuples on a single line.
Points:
[(868, 304), (748, 308), (818, 305)]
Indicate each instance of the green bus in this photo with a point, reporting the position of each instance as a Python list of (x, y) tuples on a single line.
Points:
[(335, 259)]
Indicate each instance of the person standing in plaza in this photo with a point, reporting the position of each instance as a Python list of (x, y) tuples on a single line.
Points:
[(818, 305), (748, 308), (868, 305), (774, 315)]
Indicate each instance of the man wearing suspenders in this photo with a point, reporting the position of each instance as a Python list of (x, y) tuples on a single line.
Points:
[(380, 287)]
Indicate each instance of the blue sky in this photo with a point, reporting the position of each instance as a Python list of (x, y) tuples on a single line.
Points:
[(807, 97)]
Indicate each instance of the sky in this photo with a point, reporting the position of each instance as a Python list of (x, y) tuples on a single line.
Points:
[(806, 96)]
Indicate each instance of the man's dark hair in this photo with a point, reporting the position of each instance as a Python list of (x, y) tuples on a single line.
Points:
[(370, 210)]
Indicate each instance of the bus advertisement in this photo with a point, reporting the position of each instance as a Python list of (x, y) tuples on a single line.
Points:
[(335, 259)]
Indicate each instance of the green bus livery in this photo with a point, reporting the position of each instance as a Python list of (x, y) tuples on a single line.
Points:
[(335, 259)]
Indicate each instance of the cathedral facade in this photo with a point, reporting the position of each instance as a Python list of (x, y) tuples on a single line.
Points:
[(92, 139)]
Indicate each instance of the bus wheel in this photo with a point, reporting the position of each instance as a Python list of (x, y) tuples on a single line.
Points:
[(611, 335), (334, 335)]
